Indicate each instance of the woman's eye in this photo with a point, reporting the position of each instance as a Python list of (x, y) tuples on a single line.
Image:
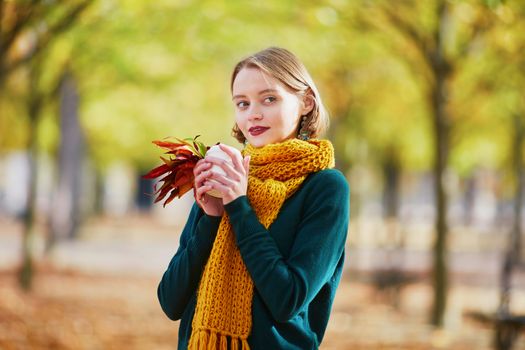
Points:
[(269, 99), (242, 104)]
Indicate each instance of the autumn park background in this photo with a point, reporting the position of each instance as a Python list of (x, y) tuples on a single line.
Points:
[(427, 112)]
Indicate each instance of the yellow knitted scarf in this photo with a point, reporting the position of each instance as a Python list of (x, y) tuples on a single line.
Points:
[(223, 314)]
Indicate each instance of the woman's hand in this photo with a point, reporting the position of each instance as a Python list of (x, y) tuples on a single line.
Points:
[(211, 205), (235, 183)]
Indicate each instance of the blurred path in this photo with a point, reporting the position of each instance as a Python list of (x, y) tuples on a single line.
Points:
[(134, 245), (10, 244), (143, 245), (139, 248)]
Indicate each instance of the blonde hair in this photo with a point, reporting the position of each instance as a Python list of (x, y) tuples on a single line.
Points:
[(286, 68)]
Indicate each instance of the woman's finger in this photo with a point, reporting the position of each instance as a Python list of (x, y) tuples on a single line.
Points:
[(201, 166), (201, 191), (220, 187), (201, 177), (246, 165), (234, 154), (224, 165), (221, 179)]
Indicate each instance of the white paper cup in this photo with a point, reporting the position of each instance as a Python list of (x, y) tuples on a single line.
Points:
[(216, 152)]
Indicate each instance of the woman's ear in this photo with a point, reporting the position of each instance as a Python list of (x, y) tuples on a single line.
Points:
[(308, 103)]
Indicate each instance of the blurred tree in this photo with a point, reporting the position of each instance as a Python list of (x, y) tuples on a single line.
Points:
[(174, 67), (504, 80), (497, 120), (65, 215), (34, 106), (28, 27), (428, 38), (119, 57), (146, 70), (26, 30)]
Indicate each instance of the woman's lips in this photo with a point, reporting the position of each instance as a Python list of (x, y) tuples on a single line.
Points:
[(257, 130)]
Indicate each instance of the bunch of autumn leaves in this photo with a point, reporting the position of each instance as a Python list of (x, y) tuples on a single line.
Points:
[(178, 168)]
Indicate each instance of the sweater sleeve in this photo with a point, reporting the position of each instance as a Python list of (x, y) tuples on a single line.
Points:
[(182, 276), (288, 285)]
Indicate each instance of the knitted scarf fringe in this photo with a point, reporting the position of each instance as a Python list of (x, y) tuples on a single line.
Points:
[(211, 340), (223, 313)]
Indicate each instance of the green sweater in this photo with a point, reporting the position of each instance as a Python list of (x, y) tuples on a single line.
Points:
[(295, 265)]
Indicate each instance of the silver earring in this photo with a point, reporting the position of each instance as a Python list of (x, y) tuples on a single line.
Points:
[(303, 134)]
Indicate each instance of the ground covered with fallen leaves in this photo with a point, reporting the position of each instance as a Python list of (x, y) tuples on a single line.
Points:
[(100, 292), (77, 310)]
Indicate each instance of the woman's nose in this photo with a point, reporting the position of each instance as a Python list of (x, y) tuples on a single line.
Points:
[(255, 116), (254, 113)]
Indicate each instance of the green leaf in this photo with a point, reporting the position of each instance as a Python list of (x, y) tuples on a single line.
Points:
[(202, 148), (188, 142)]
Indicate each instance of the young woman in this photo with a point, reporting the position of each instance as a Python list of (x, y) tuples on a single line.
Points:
[(259, 267)]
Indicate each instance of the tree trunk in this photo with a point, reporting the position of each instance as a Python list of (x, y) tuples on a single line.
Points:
[(391, 198), (26, 270), (513, 253), (438, 98), (391, 170), (98, 208), (65, 214), (469, 197), (34, 108), (518, 169)]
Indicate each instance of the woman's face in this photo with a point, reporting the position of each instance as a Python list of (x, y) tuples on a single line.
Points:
[(265, 110)]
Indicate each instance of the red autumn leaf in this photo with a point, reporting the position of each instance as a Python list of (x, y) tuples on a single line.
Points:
[(157, 172), (185, 188), (183, 153), (166, 186), (168, 145), (177, 172), (166, 161), (163, 193), (182, 178), (171, 197)]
